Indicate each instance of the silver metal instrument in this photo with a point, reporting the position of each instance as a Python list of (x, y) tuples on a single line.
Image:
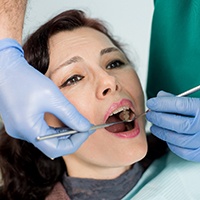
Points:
[(68, 131)]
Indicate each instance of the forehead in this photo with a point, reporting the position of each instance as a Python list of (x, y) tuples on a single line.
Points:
[(80, 37)]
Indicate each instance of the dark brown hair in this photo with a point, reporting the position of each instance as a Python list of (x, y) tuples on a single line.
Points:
[(27, 173)]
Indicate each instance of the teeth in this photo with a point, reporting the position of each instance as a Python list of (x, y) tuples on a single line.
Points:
[(120, 110), (124, 115)]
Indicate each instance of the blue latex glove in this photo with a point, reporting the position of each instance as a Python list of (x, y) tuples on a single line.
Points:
[(176, 120), (25, 95)]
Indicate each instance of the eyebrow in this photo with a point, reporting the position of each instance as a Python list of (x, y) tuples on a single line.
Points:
[(73, 59), (76, 59), (108, 50)]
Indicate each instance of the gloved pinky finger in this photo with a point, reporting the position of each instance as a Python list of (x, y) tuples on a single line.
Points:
[(73, 143), (178, 139), (187, 154), (57, 147)]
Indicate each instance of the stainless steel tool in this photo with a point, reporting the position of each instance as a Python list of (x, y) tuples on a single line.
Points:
[(68, 131)]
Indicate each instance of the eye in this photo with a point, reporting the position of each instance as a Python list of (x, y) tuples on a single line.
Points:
[(115, 64), (72, 80)]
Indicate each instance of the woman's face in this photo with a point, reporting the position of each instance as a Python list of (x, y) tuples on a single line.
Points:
[(95, 76)]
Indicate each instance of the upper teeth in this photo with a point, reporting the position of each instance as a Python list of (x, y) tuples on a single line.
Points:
[(119, 110)]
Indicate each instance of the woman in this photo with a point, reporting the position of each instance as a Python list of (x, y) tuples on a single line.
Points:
[(91, 69)]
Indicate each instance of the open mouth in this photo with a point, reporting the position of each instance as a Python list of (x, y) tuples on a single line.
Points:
[(121, 114)]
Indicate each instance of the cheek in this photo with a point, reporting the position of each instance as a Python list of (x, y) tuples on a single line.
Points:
[(82, 100), (52, 120), (131, 83)]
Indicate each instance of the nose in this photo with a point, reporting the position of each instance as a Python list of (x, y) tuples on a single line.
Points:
[(107, 85)]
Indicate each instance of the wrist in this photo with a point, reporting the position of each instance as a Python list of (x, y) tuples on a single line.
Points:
[(12, 18)]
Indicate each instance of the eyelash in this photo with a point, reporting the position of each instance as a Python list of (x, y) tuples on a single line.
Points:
[(76, 78), (72, 80), (115, 64)]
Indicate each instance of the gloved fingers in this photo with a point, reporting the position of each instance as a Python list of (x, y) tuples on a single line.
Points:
[(190, 154), (164, 94), (178, 139), (171, 104), (177, 123)]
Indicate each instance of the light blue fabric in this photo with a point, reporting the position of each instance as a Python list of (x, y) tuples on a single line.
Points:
[(169, 178)]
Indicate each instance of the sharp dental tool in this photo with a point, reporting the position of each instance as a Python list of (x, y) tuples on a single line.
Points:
[(68, 131), (71, 131)]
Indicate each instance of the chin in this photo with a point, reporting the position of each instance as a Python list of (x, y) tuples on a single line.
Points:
[(136, 157), (129, 157)]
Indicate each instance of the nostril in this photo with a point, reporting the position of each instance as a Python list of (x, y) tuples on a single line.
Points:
[(105, 92)]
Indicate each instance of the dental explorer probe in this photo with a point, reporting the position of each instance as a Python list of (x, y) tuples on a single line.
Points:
[(68, 131)]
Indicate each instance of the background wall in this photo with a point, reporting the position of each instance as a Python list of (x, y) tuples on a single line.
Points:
[(130, 20)]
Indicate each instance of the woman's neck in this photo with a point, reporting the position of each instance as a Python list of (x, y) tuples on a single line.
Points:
[(80, 169)]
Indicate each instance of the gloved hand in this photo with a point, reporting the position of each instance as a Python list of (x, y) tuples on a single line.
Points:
[(176, 120), (25, 95)]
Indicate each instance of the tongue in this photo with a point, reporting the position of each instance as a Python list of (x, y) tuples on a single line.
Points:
[(117, 127)]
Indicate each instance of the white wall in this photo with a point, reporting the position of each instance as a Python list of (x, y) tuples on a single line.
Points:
[(128, 19)]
